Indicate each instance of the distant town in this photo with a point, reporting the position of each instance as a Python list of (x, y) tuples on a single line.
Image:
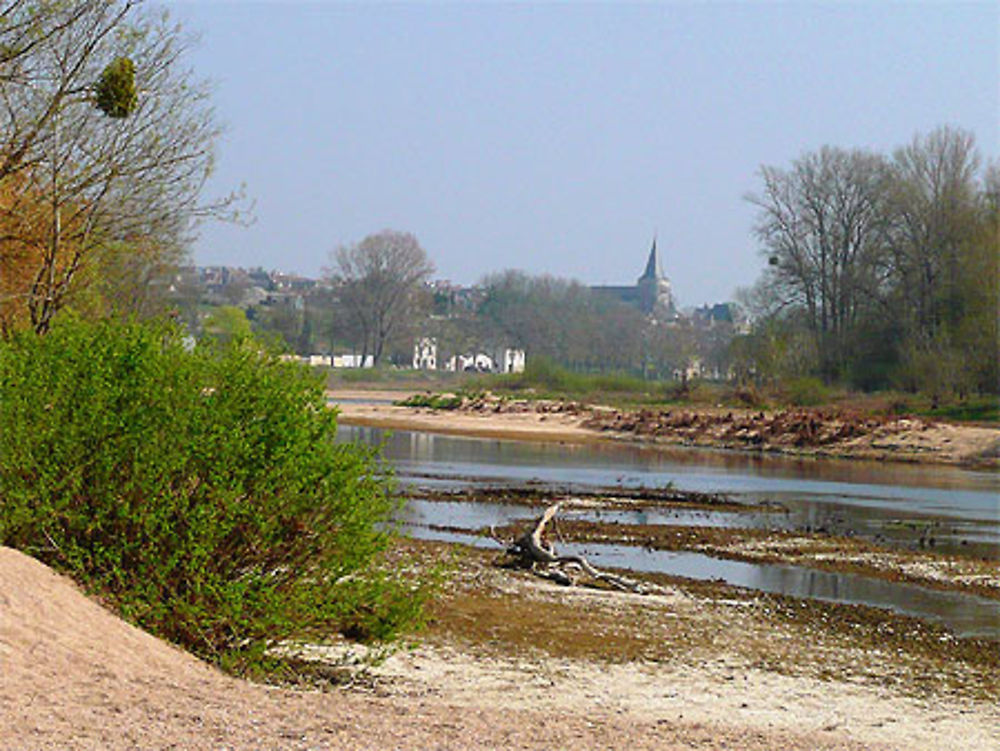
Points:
[(494, 326)]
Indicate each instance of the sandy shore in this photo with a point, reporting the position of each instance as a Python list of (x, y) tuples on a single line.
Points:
[(884, 439), (375, 409), (76, 677)]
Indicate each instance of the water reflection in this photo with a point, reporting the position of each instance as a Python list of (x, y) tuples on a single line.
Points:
[(942, 507)]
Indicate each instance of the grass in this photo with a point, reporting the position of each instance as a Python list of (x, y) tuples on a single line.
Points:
[(432, 401), (979, 410), (544, 379), (392, 378)]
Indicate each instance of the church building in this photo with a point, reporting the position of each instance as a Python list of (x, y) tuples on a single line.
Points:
[(652, 292)]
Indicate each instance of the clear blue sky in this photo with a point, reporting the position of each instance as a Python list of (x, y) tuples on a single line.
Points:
[(557, 138)]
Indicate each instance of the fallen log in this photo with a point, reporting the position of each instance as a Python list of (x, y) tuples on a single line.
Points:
[(532, 552)]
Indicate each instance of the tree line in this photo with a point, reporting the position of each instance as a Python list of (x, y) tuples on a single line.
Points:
[(880, 272), (376, 300), (881, 268)]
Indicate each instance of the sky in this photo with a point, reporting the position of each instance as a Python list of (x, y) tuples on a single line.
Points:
[(557, 138)]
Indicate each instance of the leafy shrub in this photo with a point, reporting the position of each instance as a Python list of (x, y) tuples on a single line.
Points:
[(432, 401), (199, 490), (806, 392), (541, 374)]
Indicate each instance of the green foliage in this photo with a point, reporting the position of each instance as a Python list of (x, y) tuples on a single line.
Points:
[(983, 409), (200, 491), (432, 401), (226, 323), (805, 392), (543, 377), (360, 375), (909, 298), (544, 374), (114, 93)]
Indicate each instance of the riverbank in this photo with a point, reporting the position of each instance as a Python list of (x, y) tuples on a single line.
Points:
[(798, 432), (512, 661), (509, 661)]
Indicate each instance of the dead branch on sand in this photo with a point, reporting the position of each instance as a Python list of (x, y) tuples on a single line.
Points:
[(530, 551)]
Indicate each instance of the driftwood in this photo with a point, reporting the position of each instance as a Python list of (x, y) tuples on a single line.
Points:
[(532, 552)]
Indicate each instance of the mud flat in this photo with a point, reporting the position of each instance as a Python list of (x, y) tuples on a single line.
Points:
[(700, 652), (712, 524)]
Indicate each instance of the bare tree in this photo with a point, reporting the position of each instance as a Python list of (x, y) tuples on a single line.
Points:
[(380, 281), (821, 225), (48, 50), (934, 203), (113, 174)]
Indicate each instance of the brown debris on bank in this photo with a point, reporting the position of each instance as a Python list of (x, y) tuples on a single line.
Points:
[(807, 431), (802, 431), (797, 428)]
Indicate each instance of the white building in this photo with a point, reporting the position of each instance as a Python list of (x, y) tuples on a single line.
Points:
[(427, 356), (513, 361), (352, 361), (425, 352), (499, 361)]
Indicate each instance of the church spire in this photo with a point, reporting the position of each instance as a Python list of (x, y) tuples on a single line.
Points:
[(653, 268)]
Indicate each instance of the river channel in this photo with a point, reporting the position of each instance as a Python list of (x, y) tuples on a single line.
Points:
[(955, 510)]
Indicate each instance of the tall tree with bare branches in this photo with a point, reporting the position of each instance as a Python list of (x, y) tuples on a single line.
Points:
[(380, 281), (821, 226), (104, 124)]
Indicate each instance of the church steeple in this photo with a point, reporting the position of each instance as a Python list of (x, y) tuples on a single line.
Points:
[(653, 288), (653, 269)]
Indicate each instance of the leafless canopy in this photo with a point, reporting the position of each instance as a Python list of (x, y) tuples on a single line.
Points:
[(106, 180), (380, 280), (821, 225)]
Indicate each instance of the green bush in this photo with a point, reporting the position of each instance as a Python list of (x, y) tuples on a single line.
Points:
[(198, 489), (806, 392), (432, 401)]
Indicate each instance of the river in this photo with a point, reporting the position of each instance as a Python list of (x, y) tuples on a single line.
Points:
[(954, 510)]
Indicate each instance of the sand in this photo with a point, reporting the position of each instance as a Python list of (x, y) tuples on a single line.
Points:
[(74, 676)]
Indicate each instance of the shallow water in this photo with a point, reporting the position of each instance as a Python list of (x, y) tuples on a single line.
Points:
[(904, 505), (955, 510), (966, 615)]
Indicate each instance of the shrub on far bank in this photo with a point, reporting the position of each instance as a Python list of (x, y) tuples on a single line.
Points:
[(805, 392), (545, 378), (198, 490)]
